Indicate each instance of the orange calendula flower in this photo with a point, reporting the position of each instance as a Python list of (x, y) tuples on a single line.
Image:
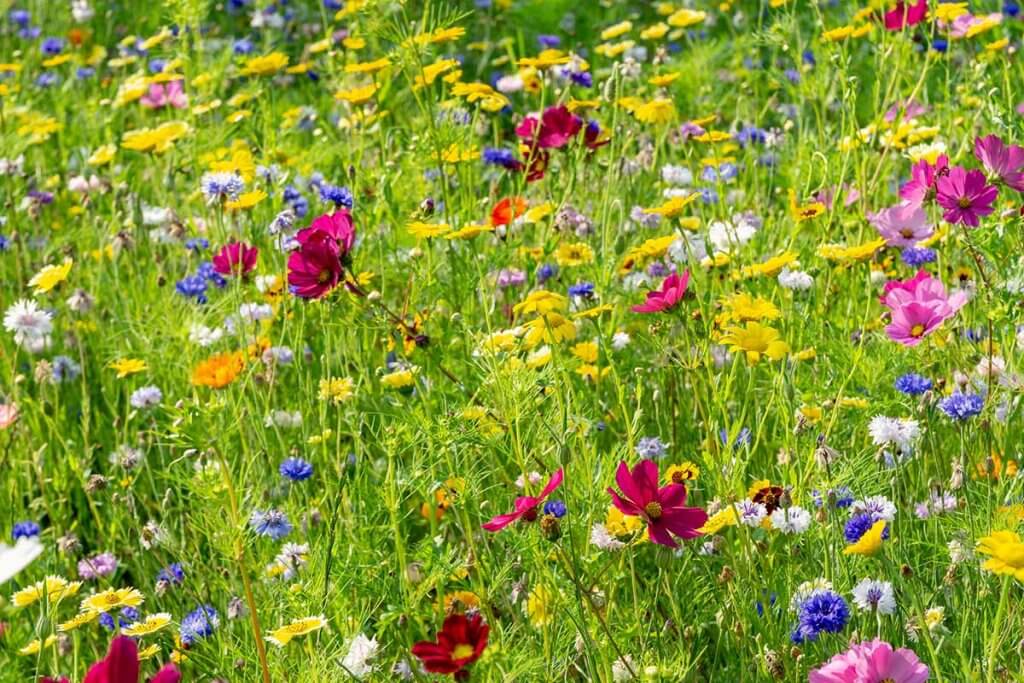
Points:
[(218, 371)]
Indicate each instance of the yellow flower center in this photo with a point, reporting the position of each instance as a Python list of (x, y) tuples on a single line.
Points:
[(964, 202), (917, 330), (653, 510), (462, 651)]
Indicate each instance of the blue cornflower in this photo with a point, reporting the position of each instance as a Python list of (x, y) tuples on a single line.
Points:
[(272, 523), (1010, 8), (339, 196), (708, 196), (498, 156), (192, 287), (792, 75), (26, 529), (742, 439), (548, 41), (841, 497), (913, 384), (47, 79), (940, 44), (128, 616), (157, 65), (760, 605), (19, 17), (582, 79), (808, 58), (750, 135), (296, 469), (206, 270), (5, 243), (221, 185), (65, 369), (651, 447), (146, 397), (555, 508), (84, 72), (918, 256), (197, 244), (584, 290), (823, 612), (546, 272), (199, 623), (243, 46), (960, 406), (858, 525), (172, 574), (51, 46)]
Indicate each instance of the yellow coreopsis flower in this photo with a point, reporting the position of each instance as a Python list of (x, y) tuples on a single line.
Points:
[(399, 379), (50, 276), (755, 340), (842, 254), (246, 200), (421, 230), (359, 95), (336, 389), (36, 646), (156, 140), (686, 17), (540, 606), (550, 328), (616, 30), (725, 517), (151, 624), (300, 627), (586, 352), (540, 301), (658, 110), (78, 620), (54, 588), (111, 599), (545, 59), (1006, 554), (655, 31), (128, 366), (772, 266), (265, 65), (741, 307), (571, 254), (368, 67), (868, 544), (102, 156)]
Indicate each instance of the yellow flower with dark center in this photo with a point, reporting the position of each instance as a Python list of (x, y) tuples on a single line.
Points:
[(678, 474), (755, 340), (1006, 554), (50, 276), (300, 627), (460, 601), (868, 544), (570, 254), (265, 65)]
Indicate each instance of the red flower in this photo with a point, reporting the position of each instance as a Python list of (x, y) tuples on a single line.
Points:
[(121, 665), (335, 228), (555, 129), (506, 211), (460, 643), (525, 506), (662, 508), (671, 292), (237, 258), (314, 270), (904, 15)]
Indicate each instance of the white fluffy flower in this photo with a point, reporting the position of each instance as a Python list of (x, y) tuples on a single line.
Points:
[(679, 176), (727, 237), (204, 336), (795, 279), (620, 340), (879, 507), (900, 432), (791, 520), (751, 513), (874, 596), (27, 321), (600, 537), (360, 651)]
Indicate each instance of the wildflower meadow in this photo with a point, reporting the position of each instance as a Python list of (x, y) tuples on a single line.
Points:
[(511, 340)]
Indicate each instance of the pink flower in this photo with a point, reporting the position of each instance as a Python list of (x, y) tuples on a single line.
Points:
[(121, 665), (872, 662), (555, 129), (921, 287), (1001, 160), (965, 195), (902, 226), (236, 258), (335, 228), (671, 292), (159, 96), (525, 506), (914, 321), (904, 15), (8, 414), (921, 187), (919, 306), (314, 270), (662, 508), (909, 109)]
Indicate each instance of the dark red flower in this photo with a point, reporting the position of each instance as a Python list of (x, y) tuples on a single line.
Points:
[(336, 228), (557, 126), (314, 270), (121, 665), (593, 136), (460, 642), (236, 258), (662, 508), (905, 15)]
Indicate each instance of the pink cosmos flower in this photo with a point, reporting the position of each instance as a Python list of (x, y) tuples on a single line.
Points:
[(555, 129), (663, 508), (236, 258), (999, 159), (907, 285), (314, 270), (336, 228), (919, 306), (921, 187), (160, 96), (8, 414), (965, 195), (671, 292), (872, 662), (921, 287), (908, 108), (902, 226), (121, 665), (525, 506), (914, 321), (905, 15)]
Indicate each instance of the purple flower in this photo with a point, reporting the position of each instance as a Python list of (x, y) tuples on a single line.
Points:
[(965, 195), (97, 566), (1003, 161)]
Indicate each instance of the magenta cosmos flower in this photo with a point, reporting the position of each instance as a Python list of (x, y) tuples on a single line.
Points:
[(965, 196), (160, 96), (317, 266), (919, 306), (921, 187), (557, 126), (872, 662), (905, 15), (236, 258), (526, 506), (671, 293), (1001, 160), (902, 226), (662, 508)]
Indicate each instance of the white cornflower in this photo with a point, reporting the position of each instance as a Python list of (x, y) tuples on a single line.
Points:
[(256, 312), (677, 175), (795, 279), (284, 419), (204, 336), (727, 237), (874, 596), (900, 432), (791, 520), (28, 322), (620, 340), (600, 537), (751, 513), (879, 507), (360, 651)]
